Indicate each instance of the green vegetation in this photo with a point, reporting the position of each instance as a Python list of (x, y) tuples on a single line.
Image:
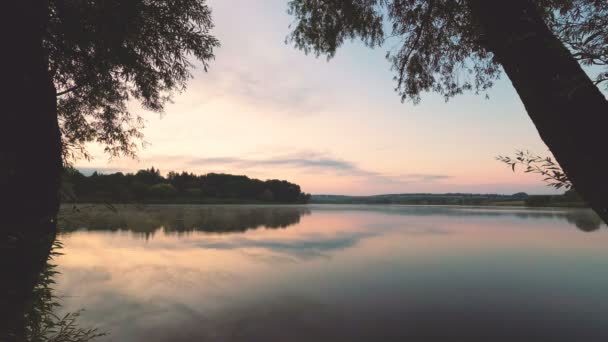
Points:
[(42, 322), (569, 199), (149, 186), (102, 54)]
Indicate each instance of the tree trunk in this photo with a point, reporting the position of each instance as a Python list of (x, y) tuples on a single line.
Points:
[(30, 160), (568, 110)]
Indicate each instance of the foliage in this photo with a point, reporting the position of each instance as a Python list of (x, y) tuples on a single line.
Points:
[(163, 190), (546, 167), (150, 186), (104, 53), (583, 26), (425, 199), (572, 196), (569, 199), (436, 45), (42, 322)]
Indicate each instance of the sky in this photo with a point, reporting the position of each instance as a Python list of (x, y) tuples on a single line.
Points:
[(266, 110)]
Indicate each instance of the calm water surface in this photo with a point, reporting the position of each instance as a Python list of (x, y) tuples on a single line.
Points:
[(336, 273)]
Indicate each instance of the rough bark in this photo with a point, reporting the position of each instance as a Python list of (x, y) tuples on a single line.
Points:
[(30, 160), (568, 110)]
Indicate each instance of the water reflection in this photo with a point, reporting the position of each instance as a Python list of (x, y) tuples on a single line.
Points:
[(584, 219), (43, 323), (40, 319), (178, 219), (338, 273)]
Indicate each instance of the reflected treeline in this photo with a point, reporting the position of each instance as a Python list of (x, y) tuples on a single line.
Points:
[(41, 321), (584, 219), (180, 219)]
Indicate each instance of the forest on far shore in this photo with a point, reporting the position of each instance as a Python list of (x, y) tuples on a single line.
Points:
[(569, 199), (149, 186)]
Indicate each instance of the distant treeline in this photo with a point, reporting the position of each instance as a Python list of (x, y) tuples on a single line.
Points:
[(569, 199), (149, 186)]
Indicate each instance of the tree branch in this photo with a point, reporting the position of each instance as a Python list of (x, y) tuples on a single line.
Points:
[(69, 90), (419, 32)]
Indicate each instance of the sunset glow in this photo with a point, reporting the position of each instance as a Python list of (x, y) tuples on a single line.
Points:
[(267, 110)]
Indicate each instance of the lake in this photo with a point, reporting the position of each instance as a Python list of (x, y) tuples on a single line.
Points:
[(336, 273)]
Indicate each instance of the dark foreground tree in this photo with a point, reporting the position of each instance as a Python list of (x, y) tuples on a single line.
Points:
[(104, 53), (69, 67), (452, 46), (30, 159)]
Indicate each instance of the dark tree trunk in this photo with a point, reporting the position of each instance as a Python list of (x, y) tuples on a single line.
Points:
[(30, 160), (569, 111)]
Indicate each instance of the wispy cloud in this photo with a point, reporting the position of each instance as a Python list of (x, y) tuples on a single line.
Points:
[(273, 93), (423, 177), (299, 167), (262, 86), (303, 162), (307, 248)]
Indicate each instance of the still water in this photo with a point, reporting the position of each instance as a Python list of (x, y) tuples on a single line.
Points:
[(336, 273)]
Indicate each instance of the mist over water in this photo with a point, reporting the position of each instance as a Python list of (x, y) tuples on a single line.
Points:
[(336, 273)]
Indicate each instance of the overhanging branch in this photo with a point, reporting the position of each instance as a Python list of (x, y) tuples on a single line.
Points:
[(69, 90)]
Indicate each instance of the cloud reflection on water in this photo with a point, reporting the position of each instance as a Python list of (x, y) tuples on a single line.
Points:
[(352, 273)]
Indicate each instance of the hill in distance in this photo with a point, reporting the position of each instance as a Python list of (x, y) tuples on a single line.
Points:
[(569, 199)]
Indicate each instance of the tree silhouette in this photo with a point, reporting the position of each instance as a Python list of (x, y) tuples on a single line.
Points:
[(450, 47), (150, 186), (104, 53), (551, 172), (71, 67)]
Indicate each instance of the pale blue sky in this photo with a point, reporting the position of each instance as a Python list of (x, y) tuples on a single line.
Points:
[(266, 110)]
